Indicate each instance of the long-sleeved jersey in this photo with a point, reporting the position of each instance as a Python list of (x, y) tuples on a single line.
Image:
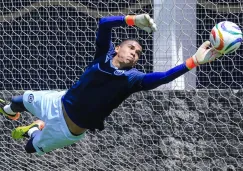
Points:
[(103, 87)]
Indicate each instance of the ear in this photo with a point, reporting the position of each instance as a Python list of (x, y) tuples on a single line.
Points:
[(117, 48)]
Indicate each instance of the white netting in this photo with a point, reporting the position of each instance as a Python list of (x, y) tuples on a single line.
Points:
[(227, 72), (48, 44)]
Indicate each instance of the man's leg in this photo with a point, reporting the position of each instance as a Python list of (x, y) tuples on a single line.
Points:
[(12, 110), (29, 148), (26, 131), (17, 104), (29, 131)]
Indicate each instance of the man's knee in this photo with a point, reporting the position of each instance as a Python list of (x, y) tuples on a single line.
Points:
[(17, 104)]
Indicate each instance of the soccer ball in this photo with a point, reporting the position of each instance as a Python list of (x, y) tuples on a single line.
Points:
[(226, 37)]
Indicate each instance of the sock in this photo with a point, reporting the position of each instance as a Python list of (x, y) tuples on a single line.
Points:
[(8, 110), (32, 130)]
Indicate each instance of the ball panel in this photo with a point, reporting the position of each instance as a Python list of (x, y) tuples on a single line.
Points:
[(234, 45), (231, 28), (221, 40)]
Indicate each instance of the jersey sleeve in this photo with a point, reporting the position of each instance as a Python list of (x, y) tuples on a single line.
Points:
[(155, 79), (135, 78), (103, 36)]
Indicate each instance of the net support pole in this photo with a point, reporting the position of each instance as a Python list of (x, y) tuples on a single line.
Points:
[(175, 39)]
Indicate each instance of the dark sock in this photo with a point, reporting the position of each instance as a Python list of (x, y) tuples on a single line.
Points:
[(17, 104), (29, 148)]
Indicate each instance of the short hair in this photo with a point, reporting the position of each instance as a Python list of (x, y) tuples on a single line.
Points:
[(126, 40)]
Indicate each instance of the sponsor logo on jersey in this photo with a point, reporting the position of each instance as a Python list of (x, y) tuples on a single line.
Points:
[(30, 98), (118, 72)]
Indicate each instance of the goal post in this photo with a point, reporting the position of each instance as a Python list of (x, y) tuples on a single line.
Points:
[(175, 40)]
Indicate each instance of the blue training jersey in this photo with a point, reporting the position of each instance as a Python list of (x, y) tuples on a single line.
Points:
[(103, 87)]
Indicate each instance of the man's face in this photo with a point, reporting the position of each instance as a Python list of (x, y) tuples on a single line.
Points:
[(128, 53)]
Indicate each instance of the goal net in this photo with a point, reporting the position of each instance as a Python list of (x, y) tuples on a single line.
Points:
[(192, 123)]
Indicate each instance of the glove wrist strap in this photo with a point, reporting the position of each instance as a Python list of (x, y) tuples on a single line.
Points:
[(190, 64), (130, 20)]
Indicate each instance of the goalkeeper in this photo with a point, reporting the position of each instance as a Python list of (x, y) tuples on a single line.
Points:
[(107, 82)]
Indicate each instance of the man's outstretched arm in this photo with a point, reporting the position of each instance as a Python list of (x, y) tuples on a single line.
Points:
[(203, 55), (155, 79), (103, 39)]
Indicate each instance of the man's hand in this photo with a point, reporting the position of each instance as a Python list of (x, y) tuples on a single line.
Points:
[(143, 21), (205, 54)]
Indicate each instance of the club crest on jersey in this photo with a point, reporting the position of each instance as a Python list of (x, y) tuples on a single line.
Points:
[(30, 98), (118, 72)]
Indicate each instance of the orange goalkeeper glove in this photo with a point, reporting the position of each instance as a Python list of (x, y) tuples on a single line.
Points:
[(143, 21), (204, 54)]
